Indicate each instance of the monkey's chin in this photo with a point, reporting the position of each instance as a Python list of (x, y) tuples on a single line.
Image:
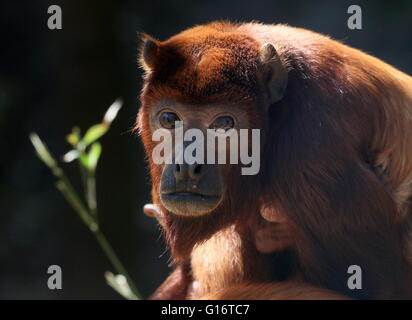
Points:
[(190, 204)]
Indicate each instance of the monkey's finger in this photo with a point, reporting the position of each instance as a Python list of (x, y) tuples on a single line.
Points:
[(152, 210)]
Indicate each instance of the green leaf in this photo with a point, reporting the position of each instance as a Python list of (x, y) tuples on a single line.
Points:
[(119, 283), (94, 155), (94, 133), (84, 160), (42, 150), (72, 139), (70, 156), (111, 113)]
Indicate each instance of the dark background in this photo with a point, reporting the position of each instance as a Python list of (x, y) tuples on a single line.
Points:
[(51, 80)]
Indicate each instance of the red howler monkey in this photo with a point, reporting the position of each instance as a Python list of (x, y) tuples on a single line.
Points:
[(335, 176)]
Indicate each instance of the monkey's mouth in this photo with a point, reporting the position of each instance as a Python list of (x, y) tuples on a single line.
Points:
[(189, 203), (192, 195)]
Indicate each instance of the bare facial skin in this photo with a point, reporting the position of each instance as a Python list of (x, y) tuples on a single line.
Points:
[(199, 116), (194, 189)]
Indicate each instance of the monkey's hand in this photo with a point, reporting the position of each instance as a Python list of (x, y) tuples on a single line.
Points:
[(176, 286), (271, 237), (271, 232), (153, 210)]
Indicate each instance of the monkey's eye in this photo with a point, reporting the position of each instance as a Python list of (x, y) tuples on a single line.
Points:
[(168, 119), (224, 123)]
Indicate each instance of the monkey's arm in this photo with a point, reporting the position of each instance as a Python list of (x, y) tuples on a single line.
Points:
[(345, 217), (175, 287), (271, 231)]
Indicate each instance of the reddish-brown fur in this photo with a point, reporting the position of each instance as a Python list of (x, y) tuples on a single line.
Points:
[(336, 161), (287, 290)]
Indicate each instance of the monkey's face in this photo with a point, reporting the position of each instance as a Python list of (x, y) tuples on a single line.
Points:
[(195, 153), (203, 69)]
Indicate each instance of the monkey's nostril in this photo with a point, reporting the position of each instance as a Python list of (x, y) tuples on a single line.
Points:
[(198, 168)]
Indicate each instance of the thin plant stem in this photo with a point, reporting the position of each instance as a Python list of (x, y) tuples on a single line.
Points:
[(73, 199), (91, 193), (107, 248), (67, 190)]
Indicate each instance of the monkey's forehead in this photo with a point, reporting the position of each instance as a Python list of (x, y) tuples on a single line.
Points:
[(201, 63)]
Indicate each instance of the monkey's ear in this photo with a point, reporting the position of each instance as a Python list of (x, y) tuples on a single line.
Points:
[(148, 52), (273, 73)]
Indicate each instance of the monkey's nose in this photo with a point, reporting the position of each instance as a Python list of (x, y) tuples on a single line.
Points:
[(180, 172), (184, 171), (195, 170)]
